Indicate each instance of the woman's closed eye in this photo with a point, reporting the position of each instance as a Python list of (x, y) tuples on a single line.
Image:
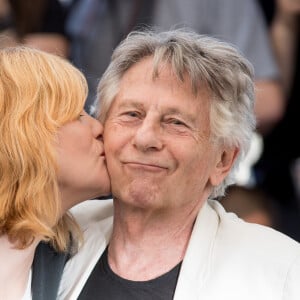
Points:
[(82, 114)]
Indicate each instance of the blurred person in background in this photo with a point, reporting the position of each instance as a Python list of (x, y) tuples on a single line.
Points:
[(51, 158), (275, 170), (276, 173), (36, 23)]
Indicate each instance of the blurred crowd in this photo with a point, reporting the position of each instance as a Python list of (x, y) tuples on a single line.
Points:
[(265, 31)]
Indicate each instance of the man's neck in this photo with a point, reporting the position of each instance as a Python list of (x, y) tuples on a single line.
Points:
[(146, 245), (15, 268)]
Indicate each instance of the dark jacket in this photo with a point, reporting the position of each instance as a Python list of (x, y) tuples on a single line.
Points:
[(47, 269)]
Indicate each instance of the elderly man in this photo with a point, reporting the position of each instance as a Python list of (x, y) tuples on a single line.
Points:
[(178, 114)]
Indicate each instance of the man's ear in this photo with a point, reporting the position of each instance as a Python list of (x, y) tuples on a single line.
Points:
[(223, 165)]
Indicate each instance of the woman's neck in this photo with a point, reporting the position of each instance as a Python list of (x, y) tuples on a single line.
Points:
[(15, 268)]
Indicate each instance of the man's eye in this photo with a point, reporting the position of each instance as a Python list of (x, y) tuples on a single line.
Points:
[(176, 122), (132, 114)]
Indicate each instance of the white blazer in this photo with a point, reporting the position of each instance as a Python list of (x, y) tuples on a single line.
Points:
[(226, 259)]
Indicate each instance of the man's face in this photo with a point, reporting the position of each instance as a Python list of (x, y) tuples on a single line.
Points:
[(157, 141)]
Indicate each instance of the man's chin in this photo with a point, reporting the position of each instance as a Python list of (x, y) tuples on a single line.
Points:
[(139, 194)]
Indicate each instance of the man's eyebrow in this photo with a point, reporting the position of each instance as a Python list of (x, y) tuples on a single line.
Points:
[(129, 103), (133, 104)]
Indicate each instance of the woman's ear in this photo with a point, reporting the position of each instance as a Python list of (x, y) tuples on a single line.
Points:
[(223, 165)]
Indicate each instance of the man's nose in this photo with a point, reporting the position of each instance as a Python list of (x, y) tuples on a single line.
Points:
[(148, 135)]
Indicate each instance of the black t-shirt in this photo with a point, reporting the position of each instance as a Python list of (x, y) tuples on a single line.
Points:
[(104, 284)]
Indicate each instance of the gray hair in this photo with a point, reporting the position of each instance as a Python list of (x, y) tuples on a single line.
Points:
[(218, 65)]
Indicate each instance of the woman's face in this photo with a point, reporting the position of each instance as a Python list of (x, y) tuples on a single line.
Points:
[(82, 172)]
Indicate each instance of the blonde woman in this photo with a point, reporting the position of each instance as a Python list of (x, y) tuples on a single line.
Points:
[(51, 158)]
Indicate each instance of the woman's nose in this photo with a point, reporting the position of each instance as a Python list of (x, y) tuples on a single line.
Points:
[(97, 127)]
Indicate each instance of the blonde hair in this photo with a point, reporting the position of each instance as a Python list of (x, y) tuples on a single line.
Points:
[(39, 92)]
